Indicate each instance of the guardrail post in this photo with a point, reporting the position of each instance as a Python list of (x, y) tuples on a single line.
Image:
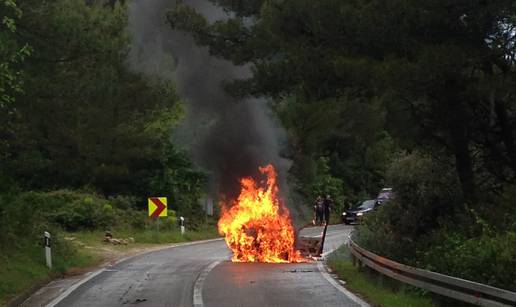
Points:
[(182, 223), (48, 251)]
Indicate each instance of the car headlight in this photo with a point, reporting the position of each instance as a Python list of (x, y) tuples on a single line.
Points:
[(343, 213), (360, 213)]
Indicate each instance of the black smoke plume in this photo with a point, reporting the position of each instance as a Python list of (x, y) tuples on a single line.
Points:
[(227, 137)]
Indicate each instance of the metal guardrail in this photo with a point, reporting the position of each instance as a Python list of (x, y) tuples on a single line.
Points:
[(456, 288)]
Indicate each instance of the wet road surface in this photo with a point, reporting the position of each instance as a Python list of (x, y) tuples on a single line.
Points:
[(181, 276)]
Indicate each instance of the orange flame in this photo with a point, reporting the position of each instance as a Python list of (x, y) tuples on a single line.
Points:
[(253, 226)]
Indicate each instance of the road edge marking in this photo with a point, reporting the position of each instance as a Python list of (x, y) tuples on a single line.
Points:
[(68, 291), (93, 274), (199, 284), (334, 283)]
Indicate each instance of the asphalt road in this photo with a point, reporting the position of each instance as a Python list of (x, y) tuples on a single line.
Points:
[(202, 275)]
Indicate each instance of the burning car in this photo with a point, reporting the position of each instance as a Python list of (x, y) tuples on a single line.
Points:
[(257, 226)]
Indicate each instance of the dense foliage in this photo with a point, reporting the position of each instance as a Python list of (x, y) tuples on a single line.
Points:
[(83, 139), (428, 226), (82, 118), (64, 210), (418, 95), (12, 54)]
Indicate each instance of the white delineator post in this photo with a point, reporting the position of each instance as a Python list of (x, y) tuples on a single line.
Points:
[(182, 221), (48, 251)]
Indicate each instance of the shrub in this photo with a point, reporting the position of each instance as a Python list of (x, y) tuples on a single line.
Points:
[(69, 210), (426, 225), (426, 194), (489, 258)]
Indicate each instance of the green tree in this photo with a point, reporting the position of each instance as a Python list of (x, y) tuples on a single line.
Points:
[(440, 65), (84, 118), (321, 95), (12, 54), (182, 183)]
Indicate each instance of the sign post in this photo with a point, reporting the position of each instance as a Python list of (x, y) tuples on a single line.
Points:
[(48, 251), (182, 223), (157, 209)]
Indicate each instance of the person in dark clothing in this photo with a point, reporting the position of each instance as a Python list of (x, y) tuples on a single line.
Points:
[(327, 204), (318, 211)]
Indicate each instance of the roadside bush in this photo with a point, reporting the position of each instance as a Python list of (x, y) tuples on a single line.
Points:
[(489, 258), (427, 194), (23, 219), (420, 226), (89, 212), (427, 191), (30, 212)]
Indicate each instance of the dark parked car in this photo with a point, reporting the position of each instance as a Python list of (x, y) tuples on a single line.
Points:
[(357, 212)]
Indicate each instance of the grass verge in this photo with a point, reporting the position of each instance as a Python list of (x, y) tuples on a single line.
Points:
[(378, 291), (146, 237), (20, 269)]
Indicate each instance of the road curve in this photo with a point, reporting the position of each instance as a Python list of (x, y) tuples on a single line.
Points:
[(173, 277)]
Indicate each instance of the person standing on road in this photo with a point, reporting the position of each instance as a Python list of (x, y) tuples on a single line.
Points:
[(327, 204), (318, 211)]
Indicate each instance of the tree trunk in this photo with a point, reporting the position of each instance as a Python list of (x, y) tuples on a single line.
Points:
[(463, 162), (458, 123)]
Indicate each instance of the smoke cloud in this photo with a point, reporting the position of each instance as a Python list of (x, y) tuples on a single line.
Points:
[(227, 137)]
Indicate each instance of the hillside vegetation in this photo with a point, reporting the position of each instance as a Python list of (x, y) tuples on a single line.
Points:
[(414, 95), (83, 140)]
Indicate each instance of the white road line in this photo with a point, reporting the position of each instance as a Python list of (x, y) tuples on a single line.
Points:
[(68, 291), (337, 286), (199, 283)]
